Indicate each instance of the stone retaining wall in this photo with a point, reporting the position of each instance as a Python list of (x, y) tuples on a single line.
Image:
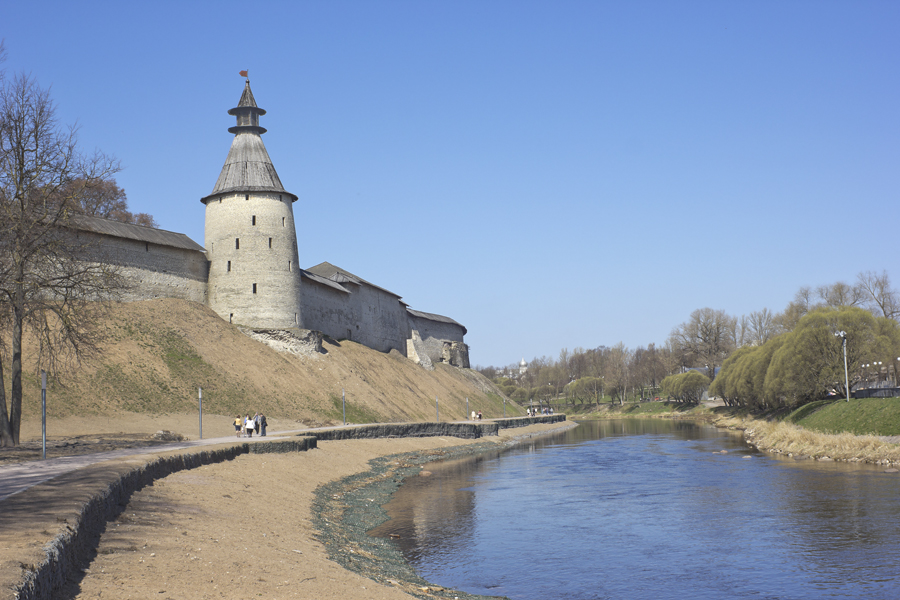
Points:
[(298, 444), (526, 421), (387, 430), (72, 548)]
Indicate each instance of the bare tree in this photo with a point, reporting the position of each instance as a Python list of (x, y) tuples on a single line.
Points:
[(761, 327), (617, 373), (840, 294), (105, 199), (741, 333), (883, 300), (799, 306), (706, 339), (50, 280)]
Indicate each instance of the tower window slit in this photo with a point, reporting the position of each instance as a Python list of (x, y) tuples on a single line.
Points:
[(237, 243), (270, 242), (246, 196), (290, 265), (253, 220), (228, 268), (254, 288), (282, 221)]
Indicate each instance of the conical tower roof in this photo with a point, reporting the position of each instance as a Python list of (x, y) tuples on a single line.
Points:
[(248, 167)]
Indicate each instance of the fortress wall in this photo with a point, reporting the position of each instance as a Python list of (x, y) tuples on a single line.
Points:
[(153, 270), (327, 310), (382, 319), (434, 336), (148, 285), (251, 240)]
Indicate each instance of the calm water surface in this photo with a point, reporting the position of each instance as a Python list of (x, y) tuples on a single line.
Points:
[(648, 509)]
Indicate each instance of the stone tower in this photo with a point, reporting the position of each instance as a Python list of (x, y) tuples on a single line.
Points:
[(251, 242)]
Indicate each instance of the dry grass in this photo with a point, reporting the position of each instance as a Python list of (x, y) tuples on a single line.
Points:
[(793, 440), (157, 353)]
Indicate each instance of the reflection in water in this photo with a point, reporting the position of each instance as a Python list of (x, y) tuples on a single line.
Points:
[(651, 509)]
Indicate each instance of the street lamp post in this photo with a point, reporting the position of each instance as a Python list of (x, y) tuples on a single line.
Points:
[(843, 336)]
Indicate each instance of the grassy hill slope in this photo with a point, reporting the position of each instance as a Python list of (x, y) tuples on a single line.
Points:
[(157, 353)]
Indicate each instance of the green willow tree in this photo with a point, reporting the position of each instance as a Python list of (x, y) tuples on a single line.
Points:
[(810, 363), (686, 387)]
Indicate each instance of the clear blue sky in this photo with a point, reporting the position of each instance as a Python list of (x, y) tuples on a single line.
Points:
[(549, 174)]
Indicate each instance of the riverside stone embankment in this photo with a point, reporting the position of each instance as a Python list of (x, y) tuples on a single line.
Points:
[(80, 504), (473, 430)]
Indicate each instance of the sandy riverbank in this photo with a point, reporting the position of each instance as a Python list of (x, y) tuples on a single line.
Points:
[(238, 529)]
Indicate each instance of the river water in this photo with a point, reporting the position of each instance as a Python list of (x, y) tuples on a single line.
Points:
[(651, 509)]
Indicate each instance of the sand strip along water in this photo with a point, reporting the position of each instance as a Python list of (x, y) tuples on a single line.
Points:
[(346, 509)]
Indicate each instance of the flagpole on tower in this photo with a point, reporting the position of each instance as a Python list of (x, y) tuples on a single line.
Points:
[(244, 74)]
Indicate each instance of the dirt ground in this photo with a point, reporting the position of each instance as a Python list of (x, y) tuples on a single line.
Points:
[(235, 530)]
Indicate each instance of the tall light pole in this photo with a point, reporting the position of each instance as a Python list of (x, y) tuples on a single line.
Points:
[(843, 336)]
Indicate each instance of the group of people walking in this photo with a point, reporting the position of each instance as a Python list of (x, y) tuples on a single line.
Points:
[(247, 426), (533, 412)]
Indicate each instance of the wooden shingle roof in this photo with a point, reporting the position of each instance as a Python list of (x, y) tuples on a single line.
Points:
[(134, 232), (339, 275), (247, 167), (323, 281), (433, 317)]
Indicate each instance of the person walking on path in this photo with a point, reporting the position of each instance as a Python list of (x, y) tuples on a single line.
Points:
[(238, 426), (248, 426), (262, 425)]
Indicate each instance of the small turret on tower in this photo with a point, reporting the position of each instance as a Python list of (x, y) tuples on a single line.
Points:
[(251, 240), (247, 114)]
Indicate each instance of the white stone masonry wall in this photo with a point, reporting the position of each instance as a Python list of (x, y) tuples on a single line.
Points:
[(254, 277), (152, 271)]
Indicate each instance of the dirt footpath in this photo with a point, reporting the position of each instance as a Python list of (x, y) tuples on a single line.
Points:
[(231, 530)]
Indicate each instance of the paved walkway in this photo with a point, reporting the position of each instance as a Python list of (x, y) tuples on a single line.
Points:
[(17, 477)]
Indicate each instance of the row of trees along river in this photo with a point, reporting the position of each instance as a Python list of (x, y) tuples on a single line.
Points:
[(761, 360)]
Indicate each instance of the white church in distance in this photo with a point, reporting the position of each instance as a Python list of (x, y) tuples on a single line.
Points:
[(249, 272)]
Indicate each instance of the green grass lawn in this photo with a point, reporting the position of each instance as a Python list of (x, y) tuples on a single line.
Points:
[(877, 416)]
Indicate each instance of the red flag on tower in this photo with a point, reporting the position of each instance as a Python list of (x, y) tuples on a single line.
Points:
[(243, 74)]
